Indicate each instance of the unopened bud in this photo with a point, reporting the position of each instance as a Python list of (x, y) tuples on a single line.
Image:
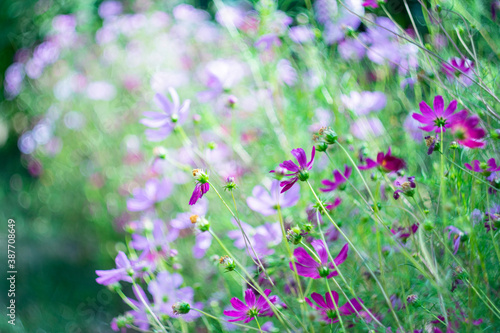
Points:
[(181, 308)]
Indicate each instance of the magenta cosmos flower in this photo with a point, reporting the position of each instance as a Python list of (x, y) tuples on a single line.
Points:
[(439, 118), (465, 132), (386, 161), (202, 186), (253, 308), (340, 179), (163, 123), (299, 172), (327, 307), (486, 168), (308, 267)]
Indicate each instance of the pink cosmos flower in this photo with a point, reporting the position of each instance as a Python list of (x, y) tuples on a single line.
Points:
[(438, 119), (486, 168), (253, 307), (163, 123), (125, 270), (308, 267), (451, 69), (265, 200), (145, 198), (202, 186), (465, 132), (340, 179), (299, 172), (327, 307), (386, 161)]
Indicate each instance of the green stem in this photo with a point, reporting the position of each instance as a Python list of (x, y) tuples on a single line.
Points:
[(359, 255), (335, 305), (143, 301), (219, 319)]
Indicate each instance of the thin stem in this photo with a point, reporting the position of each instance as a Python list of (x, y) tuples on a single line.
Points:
[(258, 324), (219, 319), (359, 255), (335, 305), (148, 308)]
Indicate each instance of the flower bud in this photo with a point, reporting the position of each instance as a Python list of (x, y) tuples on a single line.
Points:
[(181, 308), (322, 146), (230, 184), (160, 152), (228, 263), (200, 176), (428, 225), (121, 322), (231, 101), (294, 235), (114, 286), (324, 271), (303, 175), (308, 227), (330, 136), (413, 300)]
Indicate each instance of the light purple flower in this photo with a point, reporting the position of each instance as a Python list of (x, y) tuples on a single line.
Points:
[(301, 34), (184, 220), (163, 123), (203, 241), (229, 16), (265, 200), (14, 76), (458, 234), (308, 267), (221, 75), (364, 102), (251, 308), (452, 67), (267, 41), (286, 73), (367, 128), (156, 245), (145, 198), (412, 127), (266, 237), (263, 238), (109, 8), (125, 270), (166, 290)]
